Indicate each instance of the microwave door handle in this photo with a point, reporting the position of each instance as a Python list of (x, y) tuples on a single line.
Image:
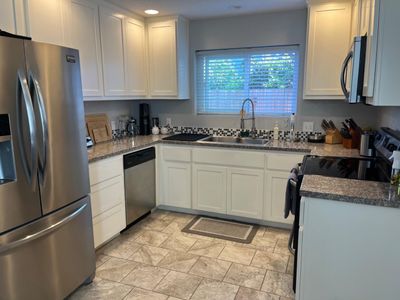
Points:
[(43, 123), (24, 102), (344, 73)]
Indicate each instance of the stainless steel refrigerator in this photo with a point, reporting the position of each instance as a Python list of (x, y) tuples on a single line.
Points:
[(46, 234)]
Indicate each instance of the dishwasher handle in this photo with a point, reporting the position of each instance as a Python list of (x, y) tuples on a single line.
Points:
[(139, 157)]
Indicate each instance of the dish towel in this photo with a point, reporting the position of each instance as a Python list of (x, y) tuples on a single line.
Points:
[(291, 192)]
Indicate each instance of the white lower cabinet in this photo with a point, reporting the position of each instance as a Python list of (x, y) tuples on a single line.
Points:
[(107, 198), (275, 183), (177, 184), (347, 251), (245, 192), (241, 183), (209, 188)]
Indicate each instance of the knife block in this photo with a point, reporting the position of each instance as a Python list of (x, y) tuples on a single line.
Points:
[(333, 137), (348, 143)]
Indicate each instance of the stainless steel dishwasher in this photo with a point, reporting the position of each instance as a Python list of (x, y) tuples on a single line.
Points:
[(140, 183)]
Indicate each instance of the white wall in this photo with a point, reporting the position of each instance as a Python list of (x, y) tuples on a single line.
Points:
[(282, 28)]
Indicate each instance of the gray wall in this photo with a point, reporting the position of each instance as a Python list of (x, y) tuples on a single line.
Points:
[(112, 108), (282, 28), (389, 117)]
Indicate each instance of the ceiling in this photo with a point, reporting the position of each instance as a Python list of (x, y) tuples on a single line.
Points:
[(202, 9)]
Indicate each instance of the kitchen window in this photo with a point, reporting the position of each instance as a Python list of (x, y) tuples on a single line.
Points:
[(268, 75)]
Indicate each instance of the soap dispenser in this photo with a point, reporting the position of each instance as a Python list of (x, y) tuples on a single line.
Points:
[(276, 131), (395, 178)]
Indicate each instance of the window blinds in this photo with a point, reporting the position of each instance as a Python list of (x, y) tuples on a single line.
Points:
[(268, 76)]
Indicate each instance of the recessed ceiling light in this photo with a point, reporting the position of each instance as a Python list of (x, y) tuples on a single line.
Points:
[(151, 11)]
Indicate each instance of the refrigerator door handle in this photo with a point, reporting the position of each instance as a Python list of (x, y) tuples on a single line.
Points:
[(42, 231), (25, 102), (44, 125), (343, 74)]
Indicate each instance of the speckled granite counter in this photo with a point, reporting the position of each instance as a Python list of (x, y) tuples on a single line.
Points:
[(112, 148), (350, 190), (108, 149)]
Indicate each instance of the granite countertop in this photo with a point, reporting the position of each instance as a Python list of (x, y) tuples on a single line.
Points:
[(339, 189), (112, 148), (350, 190), (117, 147)]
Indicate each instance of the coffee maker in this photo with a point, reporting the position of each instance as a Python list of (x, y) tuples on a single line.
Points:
[(144, 119)]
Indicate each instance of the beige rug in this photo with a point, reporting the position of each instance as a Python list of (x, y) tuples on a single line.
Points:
[(222, 229)]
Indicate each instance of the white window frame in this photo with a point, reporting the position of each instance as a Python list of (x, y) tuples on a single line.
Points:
[(223, 52)]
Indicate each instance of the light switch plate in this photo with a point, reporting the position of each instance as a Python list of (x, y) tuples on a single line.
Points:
[(308, 126)]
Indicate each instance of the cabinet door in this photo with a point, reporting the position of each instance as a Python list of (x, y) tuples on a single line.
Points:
[(245, 192), (276, 183), (46, 19), (355, 19), (111, 30), (162, 59), (135, 58), (209, 188), (177, 184), (368, 28), (85, 36), (328, 43), (8, 16)]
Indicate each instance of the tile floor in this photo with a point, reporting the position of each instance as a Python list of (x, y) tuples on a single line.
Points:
[(155, 260)]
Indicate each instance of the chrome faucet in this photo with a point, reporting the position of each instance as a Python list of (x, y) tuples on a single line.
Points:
[(253, 131)]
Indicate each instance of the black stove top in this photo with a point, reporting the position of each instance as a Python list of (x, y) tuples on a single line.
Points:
[(186, 137), (373, 169)]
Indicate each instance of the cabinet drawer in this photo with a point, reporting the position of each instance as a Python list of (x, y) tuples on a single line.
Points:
[(283, 162), (176, 154), (240, 158), (108, 224), (105, 169), (107, 194)]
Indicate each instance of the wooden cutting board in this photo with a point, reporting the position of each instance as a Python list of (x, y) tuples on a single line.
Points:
[(98, 127)]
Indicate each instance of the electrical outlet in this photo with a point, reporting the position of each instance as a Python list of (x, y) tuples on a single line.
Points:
[(308, 126), (169, 121)]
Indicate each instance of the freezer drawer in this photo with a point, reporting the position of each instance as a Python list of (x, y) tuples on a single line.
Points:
[(49, 258)]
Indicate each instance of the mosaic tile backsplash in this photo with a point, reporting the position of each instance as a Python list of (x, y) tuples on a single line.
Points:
[(261, 133)]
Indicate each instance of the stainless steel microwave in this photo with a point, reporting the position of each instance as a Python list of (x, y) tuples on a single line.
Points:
[(352, 74)]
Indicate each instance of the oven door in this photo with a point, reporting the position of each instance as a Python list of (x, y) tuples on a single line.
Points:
[(352, 83)]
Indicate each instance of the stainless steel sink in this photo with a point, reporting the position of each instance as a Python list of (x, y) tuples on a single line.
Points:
[(233, 140)]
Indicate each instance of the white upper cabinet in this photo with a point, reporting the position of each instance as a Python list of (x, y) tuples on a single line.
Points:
[(381, 76), (135, 57), (85, 36), (367, 28), (46, 20), (111, 29), (124, 57), (328, 41), (168, 58), (8, 16)]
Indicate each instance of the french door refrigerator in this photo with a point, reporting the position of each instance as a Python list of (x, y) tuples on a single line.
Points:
[(46, 234)]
